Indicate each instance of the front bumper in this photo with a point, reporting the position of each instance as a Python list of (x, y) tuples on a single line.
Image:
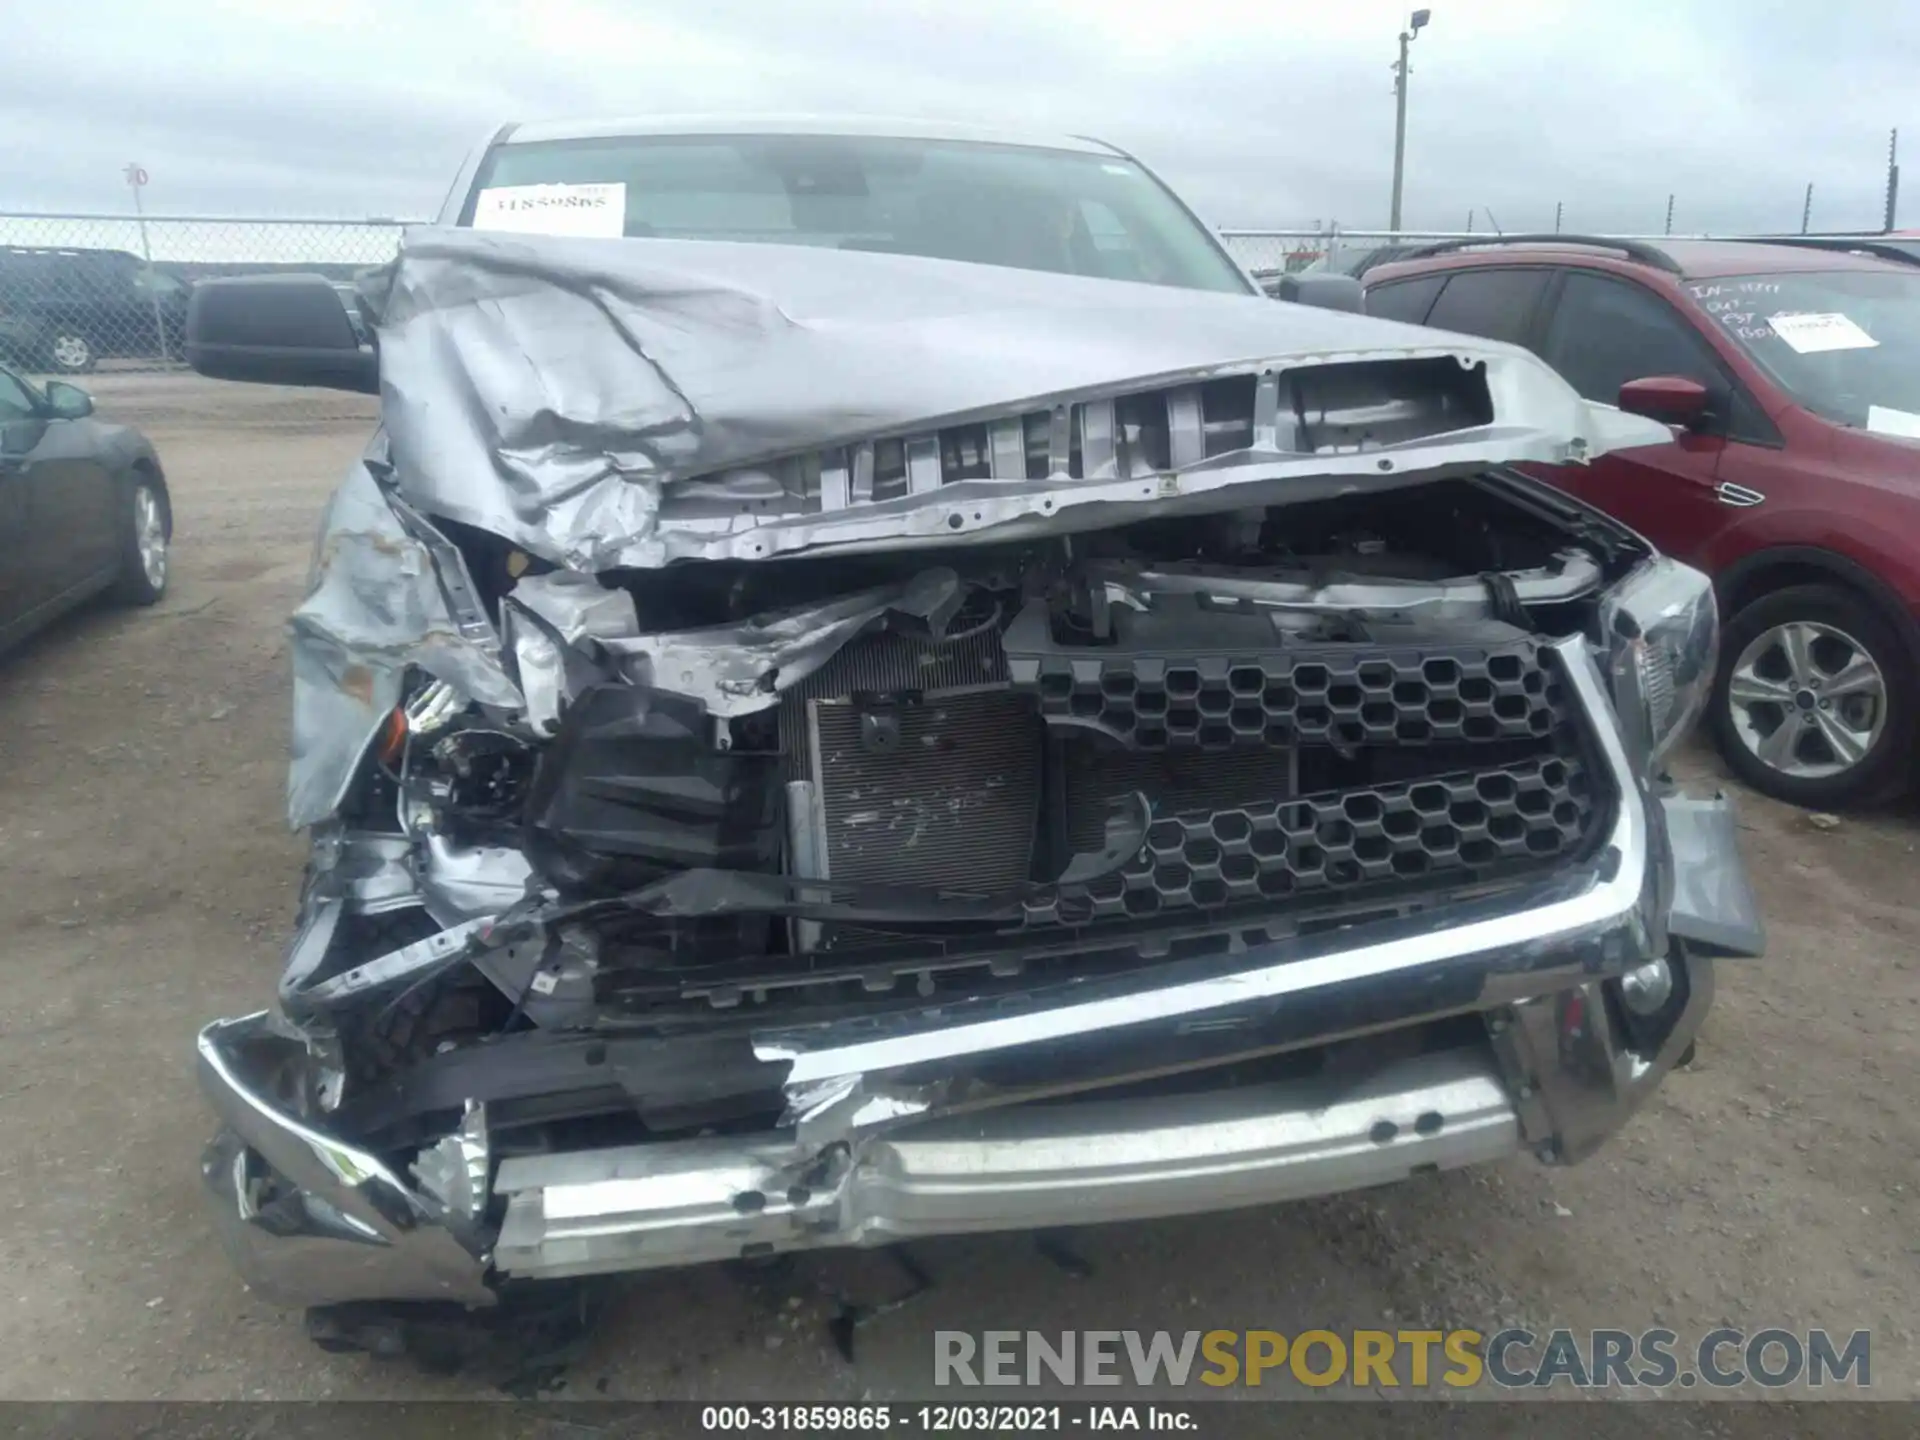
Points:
[(1030, 1167), (888, 1139)]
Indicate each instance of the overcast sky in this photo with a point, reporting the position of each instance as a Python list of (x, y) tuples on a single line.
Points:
[(1276, 113)]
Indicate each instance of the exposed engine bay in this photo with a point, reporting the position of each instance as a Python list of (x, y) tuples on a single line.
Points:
[(1086, 754)]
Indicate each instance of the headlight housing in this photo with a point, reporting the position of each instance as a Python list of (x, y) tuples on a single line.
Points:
[(1661, 627)]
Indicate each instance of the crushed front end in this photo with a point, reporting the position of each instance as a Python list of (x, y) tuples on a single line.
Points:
[(1136, 797)]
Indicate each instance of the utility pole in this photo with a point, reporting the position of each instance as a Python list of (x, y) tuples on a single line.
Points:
[(1669, 214), (1893, 180), (1558, 206), (136, 174), (1806, 210), (1414, 26)]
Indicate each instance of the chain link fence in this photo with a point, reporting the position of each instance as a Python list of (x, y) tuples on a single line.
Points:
[(82, 293), (1270, 254)]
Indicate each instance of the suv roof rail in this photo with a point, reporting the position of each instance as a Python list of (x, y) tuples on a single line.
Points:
[(1638, 250), (1876, 246)]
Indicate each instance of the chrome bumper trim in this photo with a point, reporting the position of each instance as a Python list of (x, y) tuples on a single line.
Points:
[(308, 1219), (1091, 1161), (1577, 1075)]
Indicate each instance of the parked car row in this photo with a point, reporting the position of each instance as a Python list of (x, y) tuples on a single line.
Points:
[(64, 309)]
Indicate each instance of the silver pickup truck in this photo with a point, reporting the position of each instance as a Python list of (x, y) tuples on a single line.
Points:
[(870, 684)]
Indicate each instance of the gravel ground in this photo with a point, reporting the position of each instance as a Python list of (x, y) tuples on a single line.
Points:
[(148, 884)]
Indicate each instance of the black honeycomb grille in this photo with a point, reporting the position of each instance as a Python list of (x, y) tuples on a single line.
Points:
[(1459, 825), (1344, 695), (1429, 767)]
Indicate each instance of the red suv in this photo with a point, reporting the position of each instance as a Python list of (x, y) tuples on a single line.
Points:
[(1792, 377)]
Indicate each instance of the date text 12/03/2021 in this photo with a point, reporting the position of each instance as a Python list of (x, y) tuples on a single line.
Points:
[(945, 1419)]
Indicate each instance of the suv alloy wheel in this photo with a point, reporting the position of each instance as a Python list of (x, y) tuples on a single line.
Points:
[(1815, 699)]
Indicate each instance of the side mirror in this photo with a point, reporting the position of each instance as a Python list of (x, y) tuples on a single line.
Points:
[(279, 330), (1322, 288), (1671, 399), (68, 402)]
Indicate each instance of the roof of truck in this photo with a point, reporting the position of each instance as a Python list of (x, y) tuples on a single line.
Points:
[(534, 131)]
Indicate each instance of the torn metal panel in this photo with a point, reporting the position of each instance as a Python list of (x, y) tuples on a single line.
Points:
[(737, 669), (455, 1170), (436, 952), (851, 1107), (374, 606), (1572, 575), (465, 882), (609, 404), (576, 606)]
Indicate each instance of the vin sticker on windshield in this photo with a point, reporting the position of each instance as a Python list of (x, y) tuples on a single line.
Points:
[(1809, 334), (1885, 420), (591, 210)]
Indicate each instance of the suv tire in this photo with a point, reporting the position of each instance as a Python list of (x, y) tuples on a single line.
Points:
[(1824, 662), (70, 352)]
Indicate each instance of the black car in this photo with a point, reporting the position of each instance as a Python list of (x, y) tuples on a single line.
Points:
[(63, 310), (83, 508)]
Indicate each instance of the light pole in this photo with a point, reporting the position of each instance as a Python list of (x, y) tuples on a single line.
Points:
[(1414, 26), (136, 174)]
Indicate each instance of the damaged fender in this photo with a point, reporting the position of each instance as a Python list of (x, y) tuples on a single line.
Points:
[(374, 606)]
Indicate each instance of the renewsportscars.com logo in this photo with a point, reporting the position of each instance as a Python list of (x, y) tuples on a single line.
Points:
[(1772, 1358)]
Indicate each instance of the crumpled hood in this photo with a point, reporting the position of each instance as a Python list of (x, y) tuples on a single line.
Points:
[(606, 403), (613, 403)]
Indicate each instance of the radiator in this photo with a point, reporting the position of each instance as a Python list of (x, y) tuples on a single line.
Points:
[(944, 791)]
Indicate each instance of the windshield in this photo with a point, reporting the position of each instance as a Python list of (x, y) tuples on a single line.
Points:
[(1019, 206), (1844, 343)]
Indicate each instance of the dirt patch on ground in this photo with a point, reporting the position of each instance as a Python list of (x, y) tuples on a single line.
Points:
[(150, 878)]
